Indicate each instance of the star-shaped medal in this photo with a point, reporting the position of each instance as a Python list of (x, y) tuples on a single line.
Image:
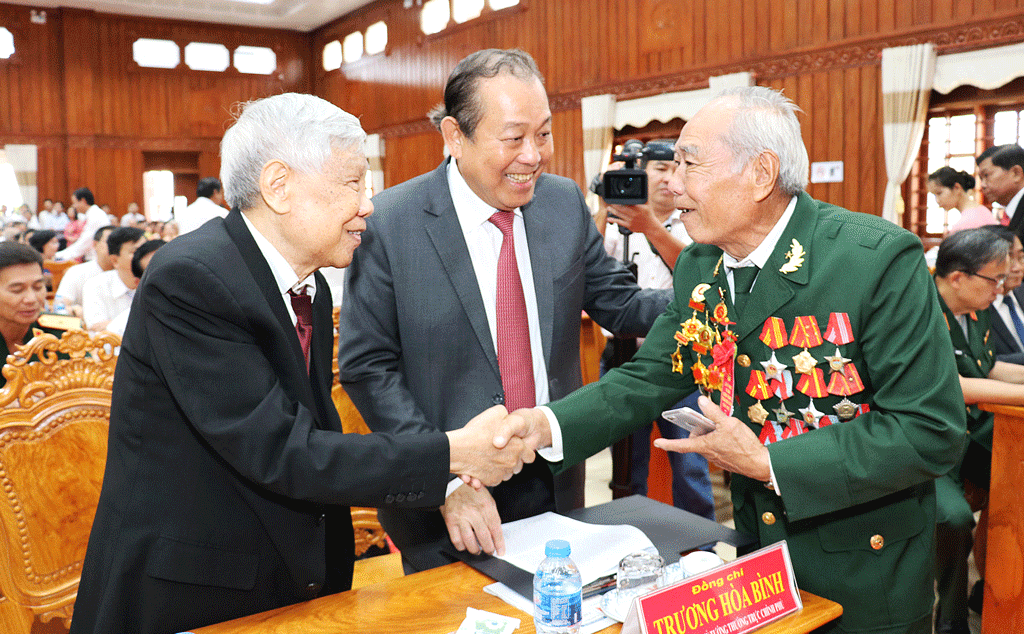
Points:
[(804, 362), (845, 409), (837, 361), (782, 415), (677, 362), (773, 369), (757, 414), (810, 414)]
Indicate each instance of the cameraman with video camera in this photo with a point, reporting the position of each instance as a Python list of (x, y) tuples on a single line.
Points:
[(651, 235)]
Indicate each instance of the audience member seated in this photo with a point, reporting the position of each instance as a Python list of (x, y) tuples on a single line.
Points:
[(954, 189), (970, 271), (69, 292), (170, 231), (80, 248), (140, 260), (46, 242), (1006, 312), (60, 219), (1001, 174), (22, 296), (109, 294), (133, 218)]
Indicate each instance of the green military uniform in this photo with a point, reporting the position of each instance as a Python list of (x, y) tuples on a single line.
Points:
[(975, 357), (858, 498)]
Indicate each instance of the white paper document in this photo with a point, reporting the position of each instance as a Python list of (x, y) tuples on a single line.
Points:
[(596, 548)]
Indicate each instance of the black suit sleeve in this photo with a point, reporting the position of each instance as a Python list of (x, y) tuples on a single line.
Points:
[(220, 353)]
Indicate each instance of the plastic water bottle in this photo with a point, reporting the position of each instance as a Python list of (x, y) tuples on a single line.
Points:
[(58, 306), (557, 591)]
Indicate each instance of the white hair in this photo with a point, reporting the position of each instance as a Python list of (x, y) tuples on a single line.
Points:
[(766, 120), (300, 130)]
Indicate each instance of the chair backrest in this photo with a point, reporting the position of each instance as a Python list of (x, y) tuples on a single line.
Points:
[(57, 270), (54, 420)]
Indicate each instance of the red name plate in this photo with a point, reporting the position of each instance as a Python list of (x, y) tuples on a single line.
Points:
[(734, 598)]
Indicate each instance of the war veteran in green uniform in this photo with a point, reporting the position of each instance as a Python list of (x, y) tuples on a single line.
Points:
[(834, 368)]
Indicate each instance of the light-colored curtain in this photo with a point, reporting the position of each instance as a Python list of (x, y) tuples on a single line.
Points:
[(374, 148), (907, 76), (987, 68), (598, 114), (22, 159)]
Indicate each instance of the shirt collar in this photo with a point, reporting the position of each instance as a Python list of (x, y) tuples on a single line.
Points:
[(284, 275), (759, 256), (471, 210), (1015, 204)]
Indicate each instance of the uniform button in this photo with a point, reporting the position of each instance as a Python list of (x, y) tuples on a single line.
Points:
[(400, 497), (320, 520), (743, 360), (877, 541), (768, 518), (979, 363), (389, 498), (312, 590), (498, 399)]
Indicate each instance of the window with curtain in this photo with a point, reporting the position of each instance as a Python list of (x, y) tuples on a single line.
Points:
[(960, 126)]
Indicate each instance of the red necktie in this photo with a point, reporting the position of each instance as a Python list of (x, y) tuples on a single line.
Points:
[(302, 304), (1003, 218), (514, 356)]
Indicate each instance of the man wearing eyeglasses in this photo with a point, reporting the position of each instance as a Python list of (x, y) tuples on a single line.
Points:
[(970, 272)]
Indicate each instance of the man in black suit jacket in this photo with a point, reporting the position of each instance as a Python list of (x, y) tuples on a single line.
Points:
[(228, 475), (1006, 334), (1001, 178)]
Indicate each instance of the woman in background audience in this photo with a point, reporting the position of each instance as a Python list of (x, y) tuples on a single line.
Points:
[(953, 190), (170, 230), (73, 229), (46, 242)]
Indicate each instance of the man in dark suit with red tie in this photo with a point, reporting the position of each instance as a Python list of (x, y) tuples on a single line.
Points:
[(228, 476), (1001, 178)]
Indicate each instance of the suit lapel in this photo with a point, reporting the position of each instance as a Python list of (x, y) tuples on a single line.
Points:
[(773, 288), (264, 278), (442, 226), (321, 354), (540, 241)]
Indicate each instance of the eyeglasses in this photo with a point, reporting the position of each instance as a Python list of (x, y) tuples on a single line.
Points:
[(998, 281)]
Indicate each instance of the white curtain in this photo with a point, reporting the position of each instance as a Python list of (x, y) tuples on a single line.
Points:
[(987, 68), (907, 76), (598, 114), (374, 148), (22, 159)]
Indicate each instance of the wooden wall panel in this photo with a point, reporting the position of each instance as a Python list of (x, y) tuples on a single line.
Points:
[(74, 90), (409, 156), (823, 53)]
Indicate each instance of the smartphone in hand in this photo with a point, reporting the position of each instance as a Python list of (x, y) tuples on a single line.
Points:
[(694, 422)]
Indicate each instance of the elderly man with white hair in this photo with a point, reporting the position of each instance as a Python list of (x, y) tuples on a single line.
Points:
[(817, 338), (228, 478)]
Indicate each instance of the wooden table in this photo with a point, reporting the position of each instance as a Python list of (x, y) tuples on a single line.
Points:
[(434, 602), (1004, 562)]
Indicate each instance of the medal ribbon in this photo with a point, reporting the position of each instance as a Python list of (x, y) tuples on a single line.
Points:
[(806, 333), (813, 384), (839, 330), (757, 387), (847, 382), (773, 334)]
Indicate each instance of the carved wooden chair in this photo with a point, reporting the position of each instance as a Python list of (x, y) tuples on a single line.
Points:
[(368, 531), (54, 418)]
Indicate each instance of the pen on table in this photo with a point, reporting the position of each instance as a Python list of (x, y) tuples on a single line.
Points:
[(599, 586)]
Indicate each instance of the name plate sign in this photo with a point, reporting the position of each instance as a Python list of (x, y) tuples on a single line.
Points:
[(734, 598)]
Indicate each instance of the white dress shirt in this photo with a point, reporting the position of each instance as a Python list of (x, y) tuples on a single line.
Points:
[(285, 277), (193, 216), (651, 270), (104, 297), (95, 219), (70, 288)]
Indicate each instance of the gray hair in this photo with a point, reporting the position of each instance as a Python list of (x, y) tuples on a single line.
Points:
[(300, 130), (461, 100), (969, 251), (766, 120)]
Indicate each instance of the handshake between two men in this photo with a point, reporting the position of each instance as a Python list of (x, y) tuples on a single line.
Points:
[(470, 513)]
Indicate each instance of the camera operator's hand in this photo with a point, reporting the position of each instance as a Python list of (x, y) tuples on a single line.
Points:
[(636, 218)]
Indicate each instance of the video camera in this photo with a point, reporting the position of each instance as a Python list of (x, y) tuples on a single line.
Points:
[(628, 186)]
